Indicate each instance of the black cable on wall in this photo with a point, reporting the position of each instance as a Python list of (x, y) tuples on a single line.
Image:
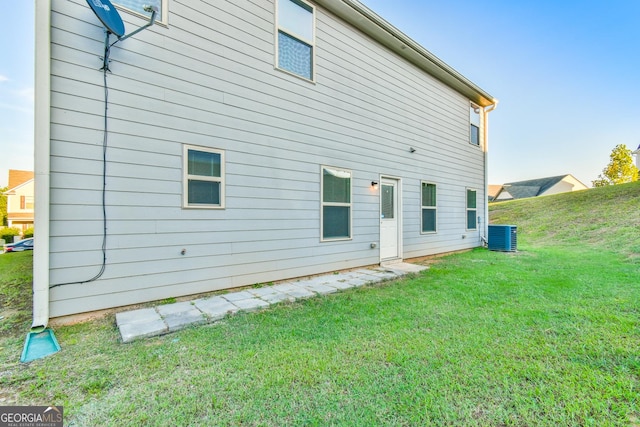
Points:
[(105, 139)]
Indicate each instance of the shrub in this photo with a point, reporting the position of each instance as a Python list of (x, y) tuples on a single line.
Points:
[(27, 233), (7, 233)]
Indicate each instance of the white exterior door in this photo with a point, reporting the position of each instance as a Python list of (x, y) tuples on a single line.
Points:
[(389, 219)]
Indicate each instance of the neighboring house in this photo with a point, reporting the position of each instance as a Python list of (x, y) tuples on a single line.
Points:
[(496, 191), (536, 187), (248, 142), (637, 154), (20, 199)]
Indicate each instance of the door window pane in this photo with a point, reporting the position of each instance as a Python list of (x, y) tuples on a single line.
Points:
[(386, 196)]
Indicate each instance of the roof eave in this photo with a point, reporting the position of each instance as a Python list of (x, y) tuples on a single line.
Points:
[(13, 190), (367, 21)]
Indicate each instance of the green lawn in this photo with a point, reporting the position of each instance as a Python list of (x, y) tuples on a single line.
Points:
[(15, 291), (548, 336)]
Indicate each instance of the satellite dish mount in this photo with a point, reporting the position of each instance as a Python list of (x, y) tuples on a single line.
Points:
[(110, 18)]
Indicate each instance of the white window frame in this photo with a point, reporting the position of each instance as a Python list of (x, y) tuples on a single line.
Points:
[(323, 204), (311, 42), (423, 207), (161, 18), (186, 177), (475, 109), (468, 209)]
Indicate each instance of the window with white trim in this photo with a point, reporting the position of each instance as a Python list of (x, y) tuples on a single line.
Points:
[(203, 177), (474, 124), (428, 202), (137, 7), (335, 216), (295, 37), (472, 197)]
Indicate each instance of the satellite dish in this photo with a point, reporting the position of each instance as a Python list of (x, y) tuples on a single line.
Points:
[(108, 15), (110, 18)]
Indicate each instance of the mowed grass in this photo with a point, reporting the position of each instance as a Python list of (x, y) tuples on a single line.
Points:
[(15, 290), (547, 336)]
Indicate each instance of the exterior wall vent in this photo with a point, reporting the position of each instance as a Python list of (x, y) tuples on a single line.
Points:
[(503, 238)]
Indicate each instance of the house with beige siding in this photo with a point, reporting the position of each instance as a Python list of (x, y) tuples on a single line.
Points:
[(20, 199), (243, 142)]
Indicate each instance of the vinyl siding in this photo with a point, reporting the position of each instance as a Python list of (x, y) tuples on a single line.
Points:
[(208, 79)]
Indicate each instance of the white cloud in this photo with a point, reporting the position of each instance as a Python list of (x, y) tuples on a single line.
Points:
[(3, 78)]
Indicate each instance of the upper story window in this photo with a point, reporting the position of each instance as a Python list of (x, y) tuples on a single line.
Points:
[(474, 121), (335, 215), (203, 177), (137, 7), (295, 37)]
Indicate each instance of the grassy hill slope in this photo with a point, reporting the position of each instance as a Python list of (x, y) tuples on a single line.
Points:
[(606, 217)]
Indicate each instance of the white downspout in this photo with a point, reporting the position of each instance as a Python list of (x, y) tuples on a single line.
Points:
[(42, 138), (485, 149)]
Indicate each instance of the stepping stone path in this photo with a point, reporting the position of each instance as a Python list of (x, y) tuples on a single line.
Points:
[(162, 319)]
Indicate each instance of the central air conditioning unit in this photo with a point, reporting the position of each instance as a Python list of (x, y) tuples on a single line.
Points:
[(503, 238)]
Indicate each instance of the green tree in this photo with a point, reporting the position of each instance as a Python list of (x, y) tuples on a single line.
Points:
[(3, 207), (620, 168)]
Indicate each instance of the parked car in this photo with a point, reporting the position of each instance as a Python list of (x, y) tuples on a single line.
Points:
[(22, 245)]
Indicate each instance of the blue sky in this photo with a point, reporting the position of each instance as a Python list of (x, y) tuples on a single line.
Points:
[(566, 74), (16, 86)]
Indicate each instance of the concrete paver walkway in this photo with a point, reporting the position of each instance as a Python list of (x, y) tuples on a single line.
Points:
[(148, 322)]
